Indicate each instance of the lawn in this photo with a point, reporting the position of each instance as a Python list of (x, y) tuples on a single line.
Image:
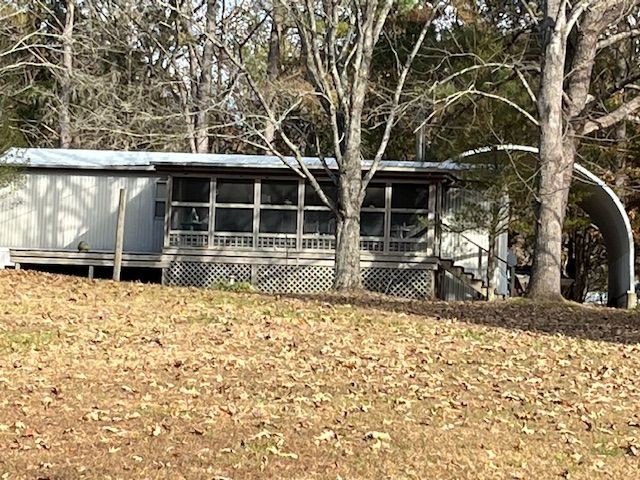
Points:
[(106, 380)]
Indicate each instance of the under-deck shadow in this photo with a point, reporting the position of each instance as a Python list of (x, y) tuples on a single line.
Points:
[(568, 319)]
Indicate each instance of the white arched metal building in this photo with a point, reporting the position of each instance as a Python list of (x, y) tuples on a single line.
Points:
[(607, 212)]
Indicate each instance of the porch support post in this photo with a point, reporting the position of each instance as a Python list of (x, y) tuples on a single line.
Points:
[(300, 223), (257, 189), (435, 206), (387, 217), (167, 211)]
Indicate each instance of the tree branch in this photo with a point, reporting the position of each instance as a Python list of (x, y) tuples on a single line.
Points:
[(612, 118), (618, 37), (391, 118)]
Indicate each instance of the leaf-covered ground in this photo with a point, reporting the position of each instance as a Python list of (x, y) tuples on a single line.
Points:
[(105, 380)]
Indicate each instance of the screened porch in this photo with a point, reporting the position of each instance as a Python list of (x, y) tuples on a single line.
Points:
[(284, 214)]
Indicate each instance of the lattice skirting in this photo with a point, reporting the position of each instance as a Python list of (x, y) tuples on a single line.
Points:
[(293, 279), (399, 282), (199, 274), (406, 283)]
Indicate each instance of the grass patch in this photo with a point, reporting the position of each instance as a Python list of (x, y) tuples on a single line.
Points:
[(26, 340), (233, 286)]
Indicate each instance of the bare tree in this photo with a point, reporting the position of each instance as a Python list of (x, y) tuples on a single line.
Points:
[(572, 36), (17, 67), (337, 40)]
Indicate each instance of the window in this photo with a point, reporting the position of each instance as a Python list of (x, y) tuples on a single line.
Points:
[(278, 221), (279, 193), (191, 190), (161, 189), (234, 220), (319, 222), (409, 211), (229, 218), (159, 209), (160, 205), (410, 196), (234, 191), (190, 218), (373, 211)]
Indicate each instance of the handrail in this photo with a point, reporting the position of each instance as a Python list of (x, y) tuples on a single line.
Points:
[(472, 242)]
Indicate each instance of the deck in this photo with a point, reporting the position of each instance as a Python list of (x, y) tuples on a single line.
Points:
[(403, 274), (29, 256)]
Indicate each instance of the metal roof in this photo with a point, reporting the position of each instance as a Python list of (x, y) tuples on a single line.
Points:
[(118, 160)]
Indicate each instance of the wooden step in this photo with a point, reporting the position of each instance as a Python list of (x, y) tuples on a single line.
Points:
[(465, 277)]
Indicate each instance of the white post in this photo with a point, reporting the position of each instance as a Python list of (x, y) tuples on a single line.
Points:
[(117, 258)]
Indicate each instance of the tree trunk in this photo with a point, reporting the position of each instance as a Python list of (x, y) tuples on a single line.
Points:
[(273, 62), (553, 187), (559, 139), (347, 274), (491, 267), (205, 84), (496, 226), (64, 114), (556, 171), (347, 256)]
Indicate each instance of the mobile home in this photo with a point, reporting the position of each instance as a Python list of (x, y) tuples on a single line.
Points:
[(206, 219)]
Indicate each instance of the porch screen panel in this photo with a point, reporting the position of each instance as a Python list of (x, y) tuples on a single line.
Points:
[(372, 224), (191, 190), (274, 192), (312, 199), (234, 191), (319, 222), (234, 213), (278, 214), (408, 225), (372, 218), (189, 217), (374, 197), (409, 222), (410, 196), (278, 221), (234, 220)]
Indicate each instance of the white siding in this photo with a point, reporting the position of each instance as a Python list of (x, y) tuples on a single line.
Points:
[(57, 210), (464, 249)]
